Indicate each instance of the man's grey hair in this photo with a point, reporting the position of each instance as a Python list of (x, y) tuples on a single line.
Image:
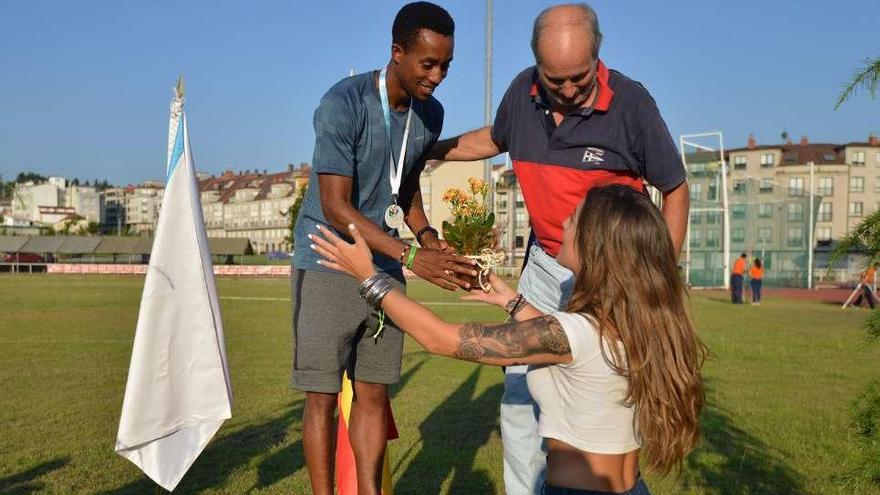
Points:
[(589, 20)]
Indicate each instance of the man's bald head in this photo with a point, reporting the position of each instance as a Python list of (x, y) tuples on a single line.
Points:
[(568, 27)]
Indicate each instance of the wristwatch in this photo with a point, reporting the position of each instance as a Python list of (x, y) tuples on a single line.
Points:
[(422, 232)]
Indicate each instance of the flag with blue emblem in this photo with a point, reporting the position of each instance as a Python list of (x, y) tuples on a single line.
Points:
[(178, 392)]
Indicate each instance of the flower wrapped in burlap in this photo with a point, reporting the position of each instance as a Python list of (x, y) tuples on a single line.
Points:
[(472, 230)]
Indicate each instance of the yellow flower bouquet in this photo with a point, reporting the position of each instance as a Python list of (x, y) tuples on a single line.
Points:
[(472, 230)]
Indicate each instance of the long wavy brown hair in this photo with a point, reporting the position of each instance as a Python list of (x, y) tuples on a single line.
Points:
[(628, 281)]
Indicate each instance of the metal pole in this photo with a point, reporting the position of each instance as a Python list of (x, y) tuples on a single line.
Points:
[(687, 235), (810, 246), (512, 223), (725, 278), (487, 165)]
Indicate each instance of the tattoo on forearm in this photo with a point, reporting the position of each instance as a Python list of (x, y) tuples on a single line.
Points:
[(542, 335)]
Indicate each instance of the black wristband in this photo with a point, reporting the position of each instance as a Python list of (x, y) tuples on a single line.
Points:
[(422, 231), (514, 305)]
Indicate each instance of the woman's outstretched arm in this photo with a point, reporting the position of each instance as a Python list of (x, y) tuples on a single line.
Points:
[(539, 340)]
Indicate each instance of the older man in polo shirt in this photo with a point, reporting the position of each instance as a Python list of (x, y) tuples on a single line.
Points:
[(569, 124)]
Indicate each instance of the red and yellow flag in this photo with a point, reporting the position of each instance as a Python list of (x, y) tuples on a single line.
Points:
[(346, 473)]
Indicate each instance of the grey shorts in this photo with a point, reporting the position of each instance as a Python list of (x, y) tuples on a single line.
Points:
[(332, 333)]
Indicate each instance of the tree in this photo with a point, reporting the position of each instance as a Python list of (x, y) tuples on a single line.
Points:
[(293, 212), (72, 225), (23, 177), (867, 77), (6, 187), (866, 238)]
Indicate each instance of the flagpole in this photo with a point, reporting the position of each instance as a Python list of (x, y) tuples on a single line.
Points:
[(168, 419)]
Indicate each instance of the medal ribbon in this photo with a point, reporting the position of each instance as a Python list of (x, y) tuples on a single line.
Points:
[(396, 173)]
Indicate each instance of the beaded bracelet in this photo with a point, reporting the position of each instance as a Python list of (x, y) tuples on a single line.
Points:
[(402, 257)]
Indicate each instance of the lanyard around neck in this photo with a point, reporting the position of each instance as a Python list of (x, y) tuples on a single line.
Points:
[(396, 173)]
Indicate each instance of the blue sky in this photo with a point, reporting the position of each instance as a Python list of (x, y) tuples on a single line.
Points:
[(85, 86)]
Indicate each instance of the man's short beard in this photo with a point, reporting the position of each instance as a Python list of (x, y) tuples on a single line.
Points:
[(562, 105), (558, 104)]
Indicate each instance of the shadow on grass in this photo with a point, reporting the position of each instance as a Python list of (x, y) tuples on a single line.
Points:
[(236, 450), (732, 461), (451, 437), (288, 460), (395, 388), (718, 299), (28, 481)]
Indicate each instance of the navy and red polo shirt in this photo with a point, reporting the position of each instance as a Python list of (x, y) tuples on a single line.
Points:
[(621, 139)]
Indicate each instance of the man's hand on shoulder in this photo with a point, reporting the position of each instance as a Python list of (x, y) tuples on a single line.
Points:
[(473, 145)]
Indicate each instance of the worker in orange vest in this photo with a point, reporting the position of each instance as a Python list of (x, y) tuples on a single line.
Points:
[(736, 279), (756, 276)]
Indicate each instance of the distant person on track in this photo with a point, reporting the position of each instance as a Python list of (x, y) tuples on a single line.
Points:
[(736, 279), (756, 276)]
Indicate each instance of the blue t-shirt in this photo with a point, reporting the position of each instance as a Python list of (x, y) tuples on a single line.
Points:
[(351, 140)]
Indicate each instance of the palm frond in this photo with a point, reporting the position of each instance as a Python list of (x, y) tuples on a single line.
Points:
[(863, 237), (872, 327), (867, 77)]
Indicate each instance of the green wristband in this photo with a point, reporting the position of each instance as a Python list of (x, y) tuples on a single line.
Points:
[(411, 257)]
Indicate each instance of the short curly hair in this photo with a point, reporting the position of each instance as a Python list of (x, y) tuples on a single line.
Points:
[(416, 16)]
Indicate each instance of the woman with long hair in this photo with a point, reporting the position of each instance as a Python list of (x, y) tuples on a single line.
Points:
[(756, 277), (616, 374)]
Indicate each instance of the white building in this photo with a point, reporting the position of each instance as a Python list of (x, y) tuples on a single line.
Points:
[(142, 203), (86, 201), (27, 198)]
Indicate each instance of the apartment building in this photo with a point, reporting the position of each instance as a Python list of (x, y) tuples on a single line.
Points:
[(113, 210), (142, 204), (252, 206), (512, 216), (769, 199)]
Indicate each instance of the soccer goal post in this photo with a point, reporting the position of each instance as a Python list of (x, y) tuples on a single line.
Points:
[(707, 242)]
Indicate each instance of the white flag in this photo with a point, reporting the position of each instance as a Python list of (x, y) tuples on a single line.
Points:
[(178, 391)]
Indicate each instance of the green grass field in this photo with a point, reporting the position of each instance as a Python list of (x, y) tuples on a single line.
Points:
[(780, 386)]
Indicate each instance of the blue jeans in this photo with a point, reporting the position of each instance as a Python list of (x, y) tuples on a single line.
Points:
[(756, 289), (736, 289), (640, 488), (547, 286)]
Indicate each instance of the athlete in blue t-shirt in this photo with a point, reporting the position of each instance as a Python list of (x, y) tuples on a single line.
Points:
[(372, 132)]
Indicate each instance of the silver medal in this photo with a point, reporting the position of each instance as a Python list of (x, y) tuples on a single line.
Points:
[(394, 213), (394, 217)]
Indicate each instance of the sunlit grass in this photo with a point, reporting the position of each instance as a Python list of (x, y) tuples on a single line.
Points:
[(780, 385)]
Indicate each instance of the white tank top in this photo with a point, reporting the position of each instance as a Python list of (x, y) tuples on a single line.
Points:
[(581, 402)]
